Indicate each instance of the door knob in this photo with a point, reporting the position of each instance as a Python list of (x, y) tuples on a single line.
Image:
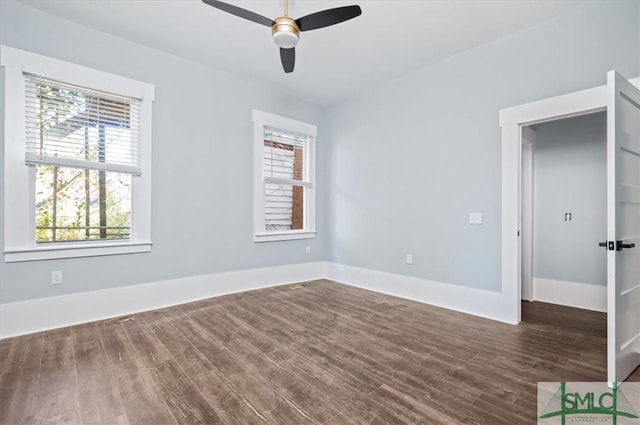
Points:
[(620, 246), (610, 245)]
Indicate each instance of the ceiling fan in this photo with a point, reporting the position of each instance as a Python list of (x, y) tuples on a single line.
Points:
[(285, 30)]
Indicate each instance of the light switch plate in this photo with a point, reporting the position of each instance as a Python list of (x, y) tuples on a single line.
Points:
[(475, 218)]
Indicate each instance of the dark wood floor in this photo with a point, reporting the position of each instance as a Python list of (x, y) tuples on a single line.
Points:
[(313, 353)]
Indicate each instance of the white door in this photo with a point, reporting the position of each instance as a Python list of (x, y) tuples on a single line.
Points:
[(623, 228)]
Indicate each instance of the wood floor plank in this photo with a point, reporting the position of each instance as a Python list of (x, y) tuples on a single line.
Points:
[(447, 401), (185, 401), (146, 343), (5, 347), (230, 407), (356, 377), (182, 351), (363, 359), (327, 383), (409, 409), (346, 419), (363, 410), (356, 358), (262, 343), (394, 334), (211, 348), (121, 353), (307, 401), (57, 396), (272, 405), (372, 366), (99, 397), (19, 383), (508, 410), (297, 392), (263, 320), (315, 352), (142, 401)]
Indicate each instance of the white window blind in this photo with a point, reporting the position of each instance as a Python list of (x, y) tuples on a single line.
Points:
[(73, 126), (279, 158)]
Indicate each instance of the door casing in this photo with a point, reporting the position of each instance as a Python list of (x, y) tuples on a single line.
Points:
[(526, 232), (512, 122)]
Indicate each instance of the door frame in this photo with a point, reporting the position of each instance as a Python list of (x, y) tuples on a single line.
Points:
[(512, 121), (526, 214)]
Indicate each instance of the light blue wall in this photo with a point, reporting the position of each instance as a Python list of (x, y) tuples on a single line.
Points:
[(202, 164), (412, 158), (570, 176), (399, 167)]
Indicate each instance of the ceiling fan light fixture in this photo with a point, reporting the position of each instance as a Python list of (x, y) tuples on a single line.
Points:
[(285, 32)]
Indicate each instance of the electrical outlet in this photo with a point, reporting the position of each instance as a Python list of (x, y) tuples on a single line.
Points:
[(308, 250), (409, 258), (56, 277)]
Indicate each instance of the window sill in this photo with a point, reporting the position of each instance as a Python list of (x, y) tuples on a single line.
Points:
[(284, 236), (74, 250)]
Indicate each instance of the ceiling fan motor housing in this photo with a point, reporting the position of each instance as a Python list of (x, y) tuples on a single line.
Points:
[(285, 32)]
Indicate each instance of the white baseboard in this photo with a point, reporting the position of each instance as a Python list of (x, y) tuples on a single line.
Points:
[(478, 302), (31, 316), (572, 294)]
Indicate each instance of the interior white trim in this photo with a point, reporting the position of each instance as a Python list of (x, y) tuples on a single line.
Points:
[(512, 120), (474, 301), (50, 252), (260, 120), (30, 316), (572, 294), (19, 205), (42, 314), (526, 232), (284, 236)]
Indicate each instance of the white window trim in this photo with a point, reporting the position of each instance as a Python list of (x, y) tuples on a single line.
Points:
[(260, 120), (19, 213)]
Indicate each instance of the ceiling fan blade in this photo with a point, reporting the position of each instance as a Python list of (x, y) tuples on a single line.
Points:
[(328, 17), (238, 11), (288, 57)]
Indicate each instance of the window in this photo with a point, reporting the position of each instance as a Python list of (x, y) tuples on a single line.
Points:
[(77, 160), (284, 186)]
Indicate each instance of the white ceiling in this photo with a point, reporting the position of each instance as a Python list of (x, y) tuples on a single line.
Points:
[(391, 38)]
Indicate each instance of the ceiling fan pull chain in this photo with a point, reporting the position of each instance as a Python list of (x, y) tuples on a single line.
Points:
[(286, 7)]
